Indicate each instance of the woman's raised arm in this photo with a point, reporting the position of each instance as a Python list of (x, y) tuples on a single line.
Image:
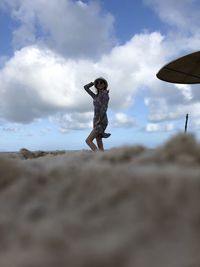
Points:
[(87, 89)]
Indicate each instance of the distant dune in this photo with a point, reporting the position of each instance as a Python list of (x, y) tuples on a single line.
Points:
[(126, 207)]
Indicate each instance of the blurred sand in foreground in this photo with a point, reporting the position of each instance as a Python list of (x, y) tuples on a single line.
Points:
[(129, 207)]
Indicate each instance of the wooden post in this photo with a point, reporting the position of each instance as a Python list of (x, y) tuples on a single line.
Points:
[(186, 123)]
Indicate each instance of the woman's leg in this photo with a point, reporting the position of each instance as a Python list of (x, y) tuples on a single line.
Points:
[(90, 138), (99, 143)]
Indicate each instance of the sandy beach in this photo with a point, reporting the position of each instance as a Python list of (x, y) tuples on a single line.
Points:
[(124, 207)]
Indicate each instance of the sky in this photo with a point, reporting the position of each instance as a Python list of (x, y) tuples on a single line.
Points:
[(49, 49)]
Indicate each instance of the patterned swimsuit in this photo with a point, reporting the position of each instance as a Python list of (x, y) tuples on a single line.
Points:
[(100, 102)]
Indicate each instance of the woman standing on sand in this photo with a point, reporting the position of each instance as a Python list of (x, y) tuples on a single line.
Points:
[(100, 120)]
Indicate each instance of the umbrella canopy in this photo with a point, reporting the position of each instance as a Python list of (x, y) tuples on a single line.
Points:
[(184, 70)]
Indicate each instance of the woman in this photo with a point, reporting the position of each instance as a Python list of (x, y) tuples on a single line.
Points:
[(100, 120)]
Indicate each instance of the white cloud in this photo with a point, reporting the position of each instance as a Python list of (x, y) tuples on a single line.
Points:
[(10, 129), (79, 121), (122, 120), (45, 131), (170, 101), (132, 66), (183, 14), (160, 110), (186, 90), (155, 127), (71, 28), (48, 77), (36, 82), (152, 127), (74, 121)]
